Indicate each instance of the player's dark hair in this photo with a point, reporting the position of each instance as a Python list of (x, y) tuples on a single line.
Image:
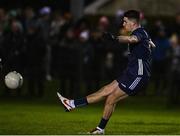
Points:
[(132, 14)]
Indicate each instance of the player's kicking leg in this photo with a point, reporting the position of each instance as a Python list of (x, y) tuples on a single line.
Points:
[(111, 92), (92, 98)]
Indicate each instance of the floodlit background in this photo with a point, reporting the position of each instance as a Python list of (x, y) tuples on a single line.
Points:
[(57, 45)]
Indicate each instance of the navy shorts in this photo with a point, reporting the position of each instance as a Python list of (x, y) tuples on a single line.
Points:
[(131, 84)]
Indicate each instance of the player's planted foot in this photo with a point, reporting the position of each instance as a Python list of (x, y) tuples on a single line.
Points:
[(68, 104), (97, 131)]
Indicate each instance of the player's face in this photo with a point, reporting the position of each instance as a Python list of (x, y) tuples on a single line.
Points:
[(128, 24)]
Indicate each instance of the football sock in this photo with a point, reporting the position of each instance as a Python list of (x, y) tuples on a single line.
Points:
[(103, 123), (71, 102), (80, 102)]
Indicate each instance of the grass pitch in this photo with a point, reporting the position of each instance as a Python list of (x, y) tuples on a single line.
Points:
[(135, 115)]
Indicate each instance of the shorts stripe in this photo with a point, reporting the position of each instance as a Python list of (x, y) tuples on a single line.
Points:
[(140, 67), (134, 84)]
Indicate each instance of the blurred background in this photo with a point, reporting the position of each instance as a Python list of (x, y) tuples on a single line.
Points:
[(57, 45)]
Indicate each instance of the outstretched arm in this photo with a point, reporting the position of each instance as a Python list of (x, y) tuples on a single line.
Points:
[(123, 39), (133, 39), (128, 39)]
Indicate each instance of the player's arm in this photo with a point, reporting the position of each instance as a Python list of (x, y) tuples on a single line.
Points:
[(128, 39), (123, 39)]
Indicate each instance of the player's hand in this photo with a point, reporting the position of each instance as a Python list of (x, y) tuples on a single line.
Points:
[(108, 36)]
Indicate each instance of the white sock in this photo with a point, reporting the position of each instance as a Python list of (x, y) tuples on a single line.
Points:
[(71, 102), (100, 128)]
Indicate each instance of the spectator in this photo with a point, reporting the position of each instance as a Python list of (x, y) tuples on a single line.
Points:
[(160, 61), (88, 57), (174, 94), (13, 49), (35, 58)]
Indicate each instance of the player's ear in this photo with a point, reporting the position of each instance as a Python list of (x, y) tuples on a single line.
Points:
[(133, 23)]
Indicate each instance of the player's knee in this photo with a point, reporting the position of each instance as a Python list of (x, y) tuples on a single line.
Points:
[(110, 100), (106, 90)]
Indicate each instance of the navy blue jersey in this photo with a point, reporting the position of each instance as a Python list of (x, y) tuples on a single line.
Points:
[(140, 54)]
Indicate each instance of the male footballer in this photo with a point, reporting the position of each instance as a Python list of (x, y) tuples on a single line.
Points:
[(134, 78)]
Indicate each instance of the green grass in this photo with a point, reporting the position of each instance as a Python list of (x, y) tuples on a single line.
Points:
[(136, 115)]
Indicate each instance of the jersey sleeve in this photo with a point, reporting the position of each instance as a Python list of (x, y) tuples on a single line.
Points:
[(138, 34)]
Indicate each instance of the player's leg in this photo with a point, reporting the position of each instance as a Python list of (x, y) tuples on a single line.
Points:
[(111, 101), (92, 98), (102, 93), (110, 104)]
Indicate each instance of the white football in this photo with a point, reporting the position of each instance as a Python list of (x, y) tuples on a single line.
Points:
[(13, 80)]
